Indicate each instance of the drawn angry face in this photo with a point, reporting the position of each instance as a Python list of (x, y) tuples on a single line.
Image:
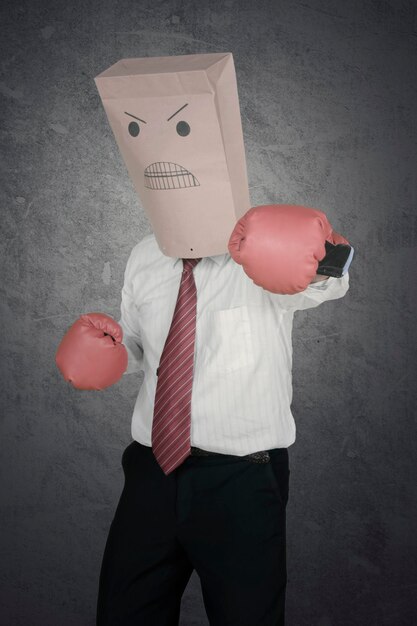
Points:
[(165, 174)]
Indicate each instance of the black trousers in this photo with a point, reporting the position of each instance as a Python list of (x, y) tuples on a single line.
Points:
[(220, 515)]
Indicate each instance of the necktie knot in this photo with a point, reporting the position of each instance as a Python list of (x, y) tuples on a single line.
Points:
[(189, 264)]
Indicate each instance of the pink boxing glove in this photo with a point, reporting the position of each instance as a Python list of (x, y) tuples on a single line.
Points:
[(280, 245), (91, 354)]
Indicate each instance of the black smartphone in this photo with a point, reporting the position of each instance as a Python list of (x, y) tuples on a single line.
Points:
[(337, 260)]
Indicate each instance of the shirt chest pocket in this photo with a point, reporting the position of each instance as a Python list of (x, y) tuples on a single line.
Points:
[(227, 340)]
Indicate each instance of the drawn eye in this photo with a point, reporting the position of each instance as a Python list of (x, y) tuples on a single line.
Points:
[(134, 129), (183, 129)]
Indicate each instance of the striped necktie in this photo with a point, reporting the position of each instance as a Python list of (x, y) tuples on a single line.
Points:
[(171, 427)]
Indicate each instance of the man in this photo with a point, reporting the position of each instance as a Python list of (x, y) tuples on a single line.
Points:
[(207, 309)]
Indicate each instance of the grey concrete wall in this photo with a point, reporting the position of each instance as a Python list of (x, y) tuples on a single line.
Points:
[(328, 96)]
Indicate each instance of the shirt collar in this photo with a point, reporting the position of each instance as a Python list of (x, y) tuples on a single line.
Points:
[(219, 259)]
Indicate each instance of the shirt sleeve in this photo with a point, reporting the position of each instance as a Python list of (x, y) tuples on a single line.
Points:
[(313, 295), (129, 323)]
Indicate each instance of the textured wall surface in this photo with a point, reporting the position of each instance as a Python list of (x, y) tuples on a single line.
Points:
[(328, 95)]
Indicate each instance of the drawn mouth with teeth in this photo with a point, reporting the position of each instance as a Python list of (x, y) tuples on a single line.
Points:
[(167, 175)]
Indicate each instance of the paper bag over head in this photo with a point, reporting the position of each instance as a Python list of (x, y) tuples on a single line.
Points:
[(177, 123)]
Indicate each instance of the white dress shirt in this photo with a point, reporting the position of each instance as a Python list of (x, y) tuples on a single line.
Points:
[(242, 385)]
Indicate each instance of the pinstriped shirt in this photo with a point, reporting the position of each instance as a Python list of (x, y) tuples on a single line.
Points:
[(242, 385)]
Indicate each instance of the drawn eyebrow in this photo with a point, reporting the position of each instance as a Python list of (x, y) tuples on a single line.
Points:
[(136, 118), (183, 107)]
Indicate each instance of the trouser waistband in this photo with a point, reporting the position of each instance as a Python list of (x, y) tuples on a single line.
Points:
[(262, 456)]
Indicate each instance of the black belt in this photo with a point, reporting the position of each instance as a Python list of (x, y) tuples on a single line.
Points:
[(256, 457)]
